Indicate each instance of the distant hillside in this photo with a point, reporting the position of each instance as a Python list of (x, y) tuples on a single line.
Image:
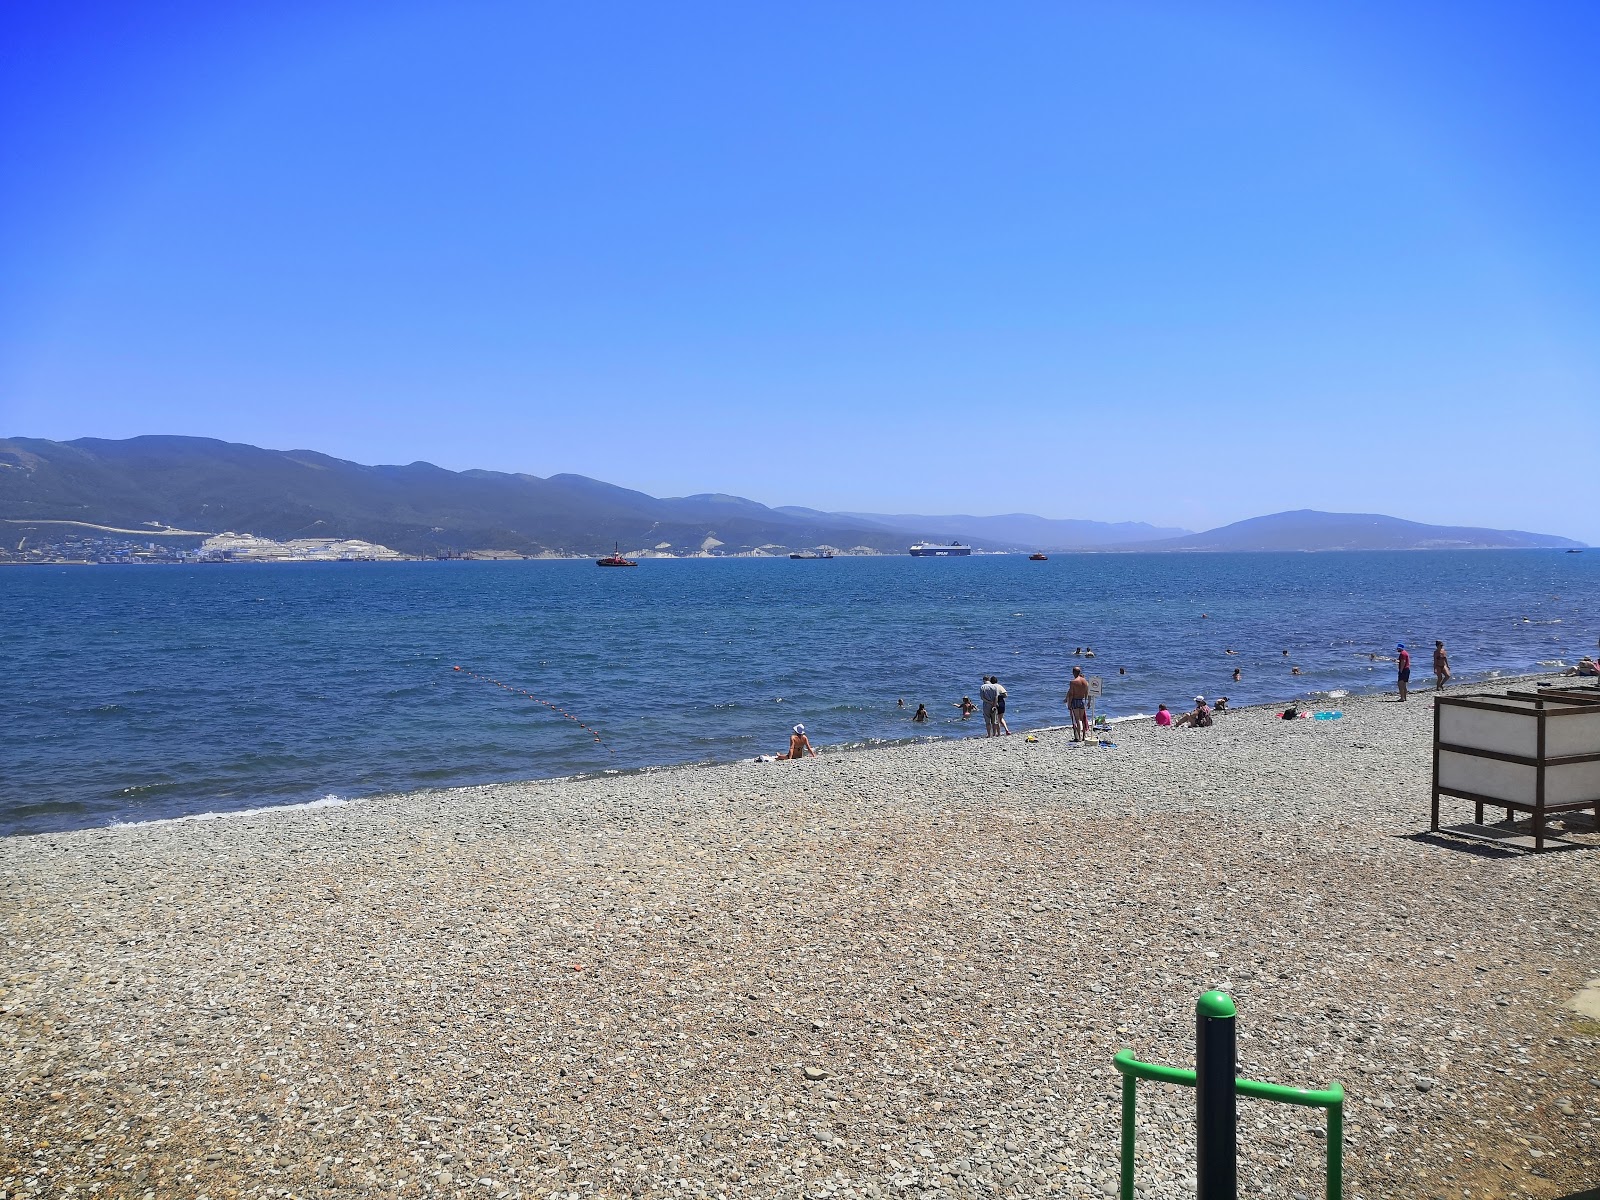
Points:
[(214, 487), (198, 484), (1021, 529), (1307, 529)]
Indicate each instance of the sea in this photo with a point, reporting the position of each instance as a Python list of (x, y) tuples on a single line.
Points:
[(145, 693)]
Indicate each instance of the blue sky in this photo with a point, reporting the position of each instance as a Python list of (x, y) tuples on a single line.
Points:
[(1168, 262)]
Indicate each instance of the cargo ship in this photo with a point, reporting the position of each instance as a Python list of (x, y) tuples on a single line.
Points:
[(939, 550)]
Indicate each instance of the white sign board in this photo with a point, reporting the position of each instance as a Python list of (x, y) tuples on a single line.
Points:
[(1094, 686)]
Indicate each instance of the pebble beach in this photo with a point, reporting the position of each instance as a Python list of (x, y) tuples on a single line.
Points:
[(894, 972)]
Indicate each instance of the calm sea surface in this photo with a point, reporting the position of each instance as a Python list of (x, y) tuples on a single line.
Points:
[(139, 693)]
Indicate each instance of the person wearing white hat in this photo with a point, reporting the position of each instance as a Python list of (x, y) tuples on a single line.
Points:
[(1200, 718), (798, 744)]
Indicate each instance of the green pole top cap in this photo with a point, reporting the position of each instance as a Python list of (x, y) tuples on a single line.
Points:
[(1215, 1004)]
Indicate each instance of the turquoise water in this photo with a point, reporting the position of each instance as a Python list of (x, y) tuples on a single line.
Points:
[(136, 693)]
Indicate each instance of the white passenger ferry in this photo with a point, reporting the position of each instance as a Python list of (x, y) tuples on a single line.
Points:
[(937, 550)]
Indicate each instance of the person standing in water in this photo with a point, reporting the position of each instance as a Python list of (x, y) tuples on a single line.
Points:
[(920, 715), (1441, 667), (1078, 703), (1403, 668)]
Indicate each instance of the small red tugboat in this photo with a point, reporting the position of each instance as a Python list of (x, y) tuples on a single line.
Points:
[(615, 559)]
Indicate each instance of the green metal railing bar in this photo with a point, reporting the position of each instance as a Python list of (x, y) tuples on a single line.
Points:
[(1330, 1098)]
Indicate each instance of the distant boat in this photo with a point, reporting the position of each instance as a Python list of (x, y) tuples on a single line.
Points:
[(1038, 558), (1574, 551), (809, 554), (615, 559), (937, 550)]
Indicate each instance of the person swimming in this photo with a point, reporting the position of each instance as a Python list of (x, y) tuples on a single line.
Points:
[(966, 706)]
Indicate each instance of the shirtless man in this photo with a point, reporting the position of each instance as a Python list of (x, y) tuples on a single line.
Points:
[(798, 744), (1078, 702), (1441, 667)]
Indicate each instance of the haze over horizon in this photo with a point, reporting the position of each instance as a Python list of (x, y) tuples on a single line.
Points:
[(1143, 264)]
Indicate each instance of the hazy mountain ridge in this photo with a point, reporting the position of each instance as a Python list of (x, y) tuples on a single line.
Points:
[(1308, 529), (419, 508)]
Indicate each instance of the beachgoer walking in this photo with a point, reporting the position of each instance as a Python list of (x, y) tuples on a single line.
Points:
[(1077, 701), (966, 706), (798, 744), (1403, 663), (1000, 707), (989, 694), (920, 715), (1441, 667)]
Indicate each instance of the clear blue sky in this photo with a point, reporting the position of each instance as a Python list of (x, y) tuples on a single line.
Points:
[(1183, 263)]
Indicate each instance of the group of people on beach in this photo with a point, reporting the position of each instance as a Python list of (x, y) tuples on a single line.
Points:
[(992, 699)]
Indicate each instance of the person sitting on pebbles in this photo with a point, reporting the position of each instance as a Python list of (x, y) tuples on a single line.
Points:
[(798, 744), (1200, 718)]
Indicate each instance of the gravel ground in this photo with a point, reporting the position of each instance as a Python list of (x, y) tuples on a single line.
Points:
[(896, 972)]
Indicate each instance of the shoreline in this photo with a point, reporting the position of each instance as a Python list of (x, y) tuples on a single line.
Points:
[(897, 971), (334, 799)]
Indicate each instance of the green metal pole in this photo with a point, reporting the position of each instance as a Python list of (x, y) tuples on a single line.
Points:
[(1129, 1083), (1336, 1150)]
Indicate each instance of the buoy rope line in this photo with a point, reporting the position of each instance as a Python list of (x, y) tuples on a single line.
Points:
[(548, 704)]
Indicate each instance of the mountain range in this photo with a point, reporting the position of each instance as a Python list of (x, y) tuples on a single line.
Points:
[(170, 483)]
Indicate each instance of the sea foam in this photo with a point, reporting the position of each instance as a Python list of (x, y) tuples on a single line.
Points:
[(328, 801)]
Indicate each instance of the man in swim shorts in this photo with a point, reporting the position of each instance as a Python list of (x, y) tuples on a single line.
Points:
[(1441, 667), (1403, 662), (989, 694), (1078, 704)]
